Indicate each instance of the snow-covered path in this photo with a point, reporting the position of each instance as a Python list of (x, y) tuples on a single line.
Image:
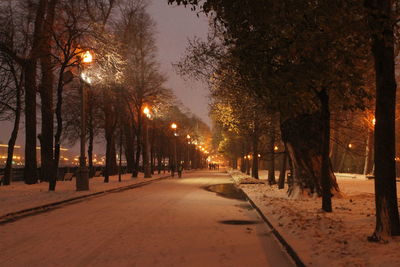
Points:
[(174, 222)]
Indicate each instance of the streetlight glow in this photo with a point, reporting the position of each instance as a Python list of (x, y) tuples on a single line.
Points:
[(188, 136), (87, 57), (350, 145), (174, 126), (146, 111)]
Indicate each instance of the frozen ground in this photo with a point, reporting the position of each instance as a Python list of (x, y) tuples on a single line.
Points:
[(327, 239), (173, 222)]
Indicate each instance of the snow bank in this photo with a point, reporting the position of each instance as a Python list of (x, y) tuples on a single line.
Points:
[(327, 239)]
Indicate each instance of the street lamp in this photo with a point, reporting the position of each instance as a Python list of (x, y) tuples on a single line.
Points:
[(146, 150), (82, 180), (174, 126), (188, 152)]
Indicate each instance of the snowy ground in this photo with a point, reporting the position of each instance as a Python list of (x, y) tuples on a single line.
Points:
[(19, 196), (173, 222), (327, 239)]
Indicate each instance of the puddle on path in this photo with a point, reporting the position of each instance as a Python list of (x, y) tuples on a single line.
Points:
[(228, 191)]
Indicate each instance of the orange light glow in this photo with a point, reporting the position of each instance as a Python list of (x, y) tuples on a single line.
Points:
[(87, 57)]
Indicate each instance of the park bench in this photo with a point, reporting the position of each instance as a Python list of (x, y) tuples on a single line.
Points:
[(97, 174), (68, 176)]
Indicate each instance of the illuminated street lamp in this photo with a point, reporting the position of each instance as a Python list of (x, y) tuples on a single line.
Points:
[(188, 153), (174, 126), (146, 111), (82, 180), (87, 57), (146, 150)]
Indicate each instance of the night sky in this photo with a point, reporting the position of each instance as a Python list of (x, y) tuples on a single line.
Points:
[(175, 25)]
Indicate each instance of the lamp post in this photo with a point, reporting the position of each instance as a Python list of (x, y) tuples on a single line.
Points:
[(174, 126), (188, 152), (146, 150), (82, 180)]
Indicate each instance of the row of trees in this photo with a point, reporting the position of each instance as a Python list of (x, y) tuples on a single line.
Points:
[(290, 67), (42, 44)]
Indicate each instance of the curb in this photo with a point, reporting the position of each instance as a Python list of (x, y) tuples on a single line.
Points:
[(14, 216), (288, 248), (292, 253)]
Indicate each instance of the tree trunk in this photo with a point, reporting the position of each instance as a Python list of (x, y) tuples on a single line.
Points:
[(90, 127), (90, 146), (234, 163), (13, 138), (325, 164), (57, 137), (30, 175), (282, 173), (46, 93), (334, 152), (243, 159), (369, 152), (254, 170), (271, 154), (303, 137), (138, 147), (129, 146), (387, 213), (110, 123)]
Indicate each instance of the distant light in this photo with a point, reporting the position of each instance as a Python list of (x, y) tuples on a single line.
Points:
[(373, 121), (4, 145), (188, 136), (276, 148), (174, 126), (350, 145)]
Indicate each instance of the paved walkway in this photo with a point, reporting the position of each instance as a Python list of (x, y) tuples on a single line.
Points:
[(174, 222)]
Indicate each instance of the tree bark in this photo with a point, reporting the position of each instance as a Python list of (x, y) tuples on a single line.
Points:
[(254, 169), (282, 173), (57, 137), (271, 154), (129, 146), (369, 150), (30, 175), (243, 159), (90, 145), (325, 164), (46, 96), (11, 143), (135, 171), (110, 123), (303, 137), (387, 213)]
